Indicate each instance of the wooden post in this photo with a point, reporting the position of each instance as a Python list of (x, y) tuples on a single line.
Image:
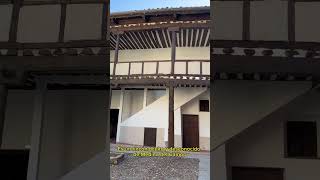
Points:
[(173, 49), (171, 88), (3, 103), (246, 20), (171, 117), (14, 20), (38, 113), (291, 20), (63, 15), (116, 54)]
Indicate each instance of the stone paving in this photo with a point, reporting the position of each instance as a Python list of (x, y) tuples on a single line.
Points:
[(195, 166)]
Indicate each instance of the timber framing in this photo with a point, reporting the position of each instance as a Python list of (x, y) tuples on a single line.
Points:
[(150, 29), (54, 2)]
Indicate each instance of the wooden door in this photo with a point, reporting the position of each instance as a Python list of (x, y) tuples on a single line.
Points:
[(150, 137), (190, 131), (114, 114), (255, 173)]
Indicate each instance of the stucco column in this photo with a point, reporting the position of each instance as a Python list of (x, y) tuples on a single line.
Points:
[(38, 114), (3, 104)]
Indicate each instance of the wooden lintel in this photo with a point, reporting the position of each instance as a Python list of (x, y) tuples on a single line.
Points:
[(264, 44), (52, 45)]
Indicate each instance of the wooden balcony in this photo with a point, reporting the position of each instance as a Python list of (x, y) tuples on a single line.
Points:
[(186, 72)]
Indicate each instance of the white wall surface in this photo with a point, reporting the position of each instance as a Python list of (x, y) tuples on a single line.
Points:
[(227, 23), (83, 22), (74, 127), (219, 166), (18, 118), (268, 26), (156, 114), (185, 53), (263, 145), (239, 104), (306, 28), (39, 23), (115, 99), (132, 103), (5, 19)]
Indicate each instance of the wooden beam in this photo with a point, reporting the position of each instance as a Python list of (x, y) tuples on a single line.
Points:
[(291, 20), (173, 47), (246, 20), (63, 16), (14, 20), (54, 2), (265, 44), (3, 104), (116, 55), (53, 45), (104, 23)]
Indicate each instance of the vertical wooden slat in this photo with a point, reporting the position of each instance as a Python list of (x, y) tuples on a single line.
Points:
[(200, 67), (291, 20), (173, 50), (142, 70), (63, 16), (246, 20), (116, 54), (105, 12), (157, 68), (14, 20), (187, 68), (129, 68)]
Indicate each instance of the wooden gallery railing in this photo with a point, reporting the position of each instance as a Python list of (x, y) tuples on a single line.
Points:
[(183, 69)]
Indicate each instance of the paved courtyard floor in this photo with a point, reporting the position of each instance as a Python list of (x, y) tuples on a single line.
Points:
[(194, 166)]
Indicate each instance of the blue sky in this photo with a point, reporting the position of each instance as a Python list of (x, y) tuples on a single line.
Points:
[(129, 5)]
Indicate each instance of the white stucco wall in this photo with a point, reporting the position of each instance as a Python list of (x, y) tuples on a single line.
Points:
[(155, 115), (115, 99), (39, 23), (18, 118), (83, 22), (227, 23), (219, 163), (306, 28), (239, 104), (74, 127), (263, 145), (185, 53), (269, 26)]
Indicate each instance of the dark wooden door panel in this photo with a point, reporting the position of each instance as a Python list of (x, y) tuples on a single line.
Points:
[(190, 131), (114, 113), (254, 173), (150, 137)]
